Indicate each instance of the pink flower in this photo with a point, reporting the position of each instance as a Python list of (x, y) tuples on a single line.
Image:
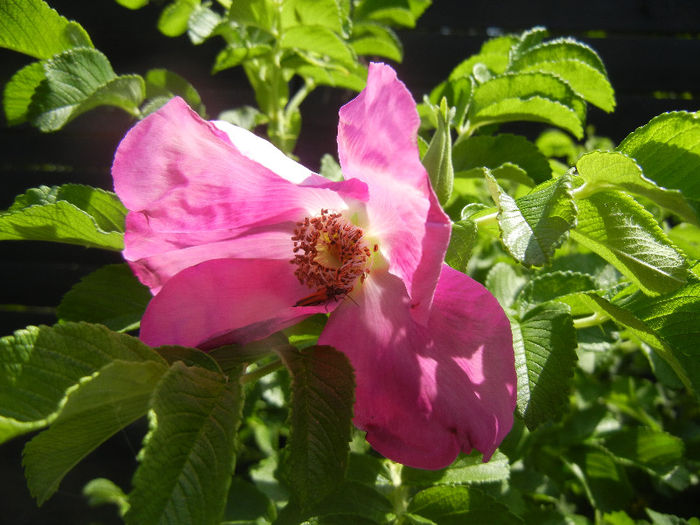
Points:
[(237, 241)]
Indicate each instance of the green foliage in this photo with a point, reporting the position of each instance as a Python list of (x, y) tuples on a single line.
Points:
[(322, 398), (111, 296), (97, 408), (40, 365), (591, 249), (33, 28), (72, 214), (189, 450)]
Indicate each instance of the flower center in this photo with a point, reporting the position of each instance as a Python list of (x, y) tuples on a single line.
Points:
[(330, 254)]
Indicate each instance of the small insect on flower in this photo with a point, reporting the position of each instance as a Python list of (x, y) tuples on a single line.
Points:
[(321, 296)]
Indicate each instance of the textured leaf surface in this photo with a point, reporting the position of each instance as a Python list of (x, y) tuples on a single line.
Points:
[(537, 97), (612, 169), (575, 62), (494, 151), (465, 470), (33, 28), (72, 214), (38, 366), (187, 463), (78, 80), (459, 505), (17, 97), (533, 226), (554, 286), (318, 40), (462, 240), (376, 40), (617, 228), (668, 150), (643, 331), (111, 296), (544, 341), (322, 399), (675, 318), (95, 410)]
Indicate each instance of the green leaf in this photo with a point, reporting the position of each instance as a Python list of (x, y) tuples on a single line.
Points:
[(246, 503), (97, 408), (38, 366), (668, 150), (462, 241), (320, 41), (164, 83), (234, 54), (72, 214), (537, 97), (402, 13), (612, 169), (78, 80), (17, 97), (246, 117), (355, 500), (534, 225), (187, 462), (606, 483), (495, 151), (330, 168), (111, 296), (101, 491), (674, 317), (653, 450), (376, 40), (576, 63), (494, 54), (203, 23), (554, 286), (353, 76), (438, 158), (460, 505), (173, 19), (258, 13), (320, 422), (324, 13), (133, 4), (637, 326), (613, 225), (544, 341), (33, 28), (465, 470), (504, 283), (687, 238)]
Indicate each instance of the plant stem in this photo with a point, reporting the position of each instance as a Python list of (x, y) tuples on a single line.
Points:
[(261, 372), (595, 319)]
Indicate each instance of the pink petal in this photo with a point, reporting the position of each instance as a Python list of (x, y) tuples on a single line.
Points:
[(225, 301), (187, 185), (377, 143), (425, 393)]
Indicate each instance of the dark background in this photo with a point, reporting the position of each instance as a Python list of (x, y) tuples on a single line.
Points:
[(649, 47)]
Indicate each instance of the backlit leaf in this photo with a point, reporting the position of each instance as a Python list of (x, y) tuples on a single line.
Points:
[(534, 225), (459, 505), (668, 150), (617, 228), (544, 341), (72, 214), (612, 169), (33, 28)]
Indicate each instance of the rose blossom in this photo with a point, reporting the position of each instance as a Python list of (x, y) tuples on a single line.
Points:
[(237, 241)]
